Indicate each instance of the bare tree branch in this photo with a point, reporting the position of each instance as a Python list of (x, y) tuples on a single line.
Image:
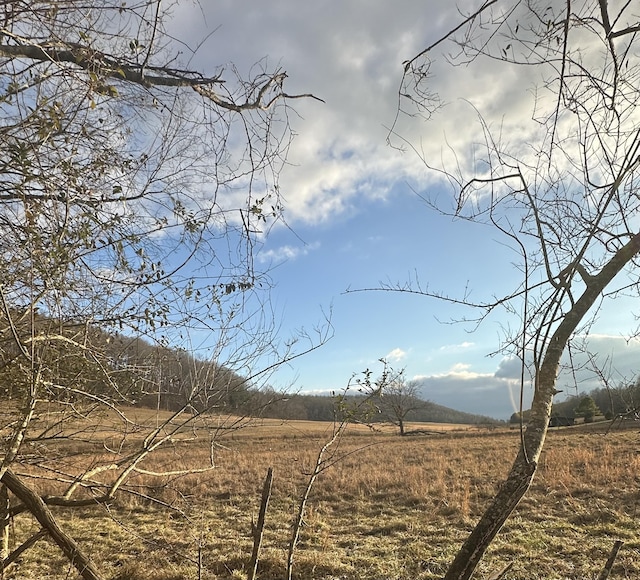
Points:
[(566, 202), (41, 512)]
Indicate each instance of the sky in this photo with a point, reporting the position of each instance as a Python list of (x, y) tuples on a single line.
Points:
[(354, 216)]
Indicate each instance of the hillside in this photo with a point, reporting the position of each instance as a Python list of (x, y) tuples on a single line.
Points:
[(133, 371), (323, 408)]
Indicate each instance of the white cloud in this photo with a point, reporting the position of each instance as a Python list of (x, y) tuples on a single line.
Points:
[(456, 347), (350, 59), (509, 368), (494, 394), (460, 370), (340, 159), (617, 357), (497, 394), (396, 355), (285, 253)]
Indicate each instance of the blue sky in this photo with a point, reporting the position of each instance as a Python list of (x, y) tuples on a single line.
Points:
[(351, 201)]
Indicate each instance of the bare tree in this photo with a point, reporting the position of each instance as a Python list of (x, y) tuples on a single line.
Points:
[(133, 191), (566, 200), (398, 397)]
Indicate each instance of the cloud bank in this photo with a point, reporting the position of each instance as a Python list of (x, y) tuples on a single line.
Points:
[(497, 394)]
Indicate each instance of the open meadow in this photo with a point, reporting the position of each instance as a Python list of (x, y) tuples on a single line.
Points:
[(386, 507)]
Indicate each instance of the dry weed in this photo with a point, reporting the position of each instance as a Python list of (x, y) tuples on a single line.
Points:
[(389, 507)]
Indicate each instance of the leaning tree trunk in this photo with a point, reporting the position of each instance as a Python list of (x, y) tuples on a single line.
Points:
[(524, 467), (5, 520), (41, 512)]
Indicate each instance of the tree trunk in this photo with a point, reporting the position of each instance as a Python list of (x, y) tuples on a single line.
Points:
[(524, 467), (41, 512), (4, 524)]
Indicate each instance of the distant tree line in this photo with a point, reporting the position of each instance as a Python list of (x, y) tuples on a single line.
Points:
[(143, 374), (607, 402), (323, 408), (619, 400), (129, 369)]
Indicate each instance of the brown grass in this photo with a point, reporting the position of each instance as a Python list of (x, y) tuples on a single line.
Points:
[(389, 507)]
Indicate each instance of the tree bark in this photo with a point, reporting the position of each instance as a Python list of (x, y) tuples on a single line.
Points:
[(4, 524), (525, 464), (41, 512), (88, 59)]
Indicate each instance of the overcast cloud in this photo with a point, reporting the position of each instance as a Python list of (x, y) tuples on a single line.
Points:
[(350, 54)]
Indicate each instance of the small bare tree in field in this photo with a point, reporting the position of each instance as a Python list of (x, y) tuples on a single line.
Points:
[(563, 191), (133, 190), (397, 397)]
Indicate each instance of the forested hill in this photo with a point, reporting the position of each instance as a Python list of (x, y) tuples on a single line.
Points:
[(322, 408), (133, 371)]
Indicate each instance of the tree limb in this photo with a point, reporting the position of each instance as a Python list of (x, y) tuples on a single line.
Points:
[(42, 513), (487, 4), (524, 467), (99, 63)]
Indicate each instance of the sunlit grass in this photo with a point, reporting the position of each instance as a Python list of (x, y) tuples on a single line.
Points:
[(389, 507)]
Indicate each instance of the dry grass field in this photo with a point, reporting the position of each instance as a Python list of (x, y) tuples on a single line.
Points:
[(388, 507)]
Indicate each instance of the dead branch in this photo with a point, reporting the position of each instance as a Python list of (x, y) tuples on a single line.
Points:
[(106, 66), (500, 574), (407, 63), (15, 554), (42, 513)]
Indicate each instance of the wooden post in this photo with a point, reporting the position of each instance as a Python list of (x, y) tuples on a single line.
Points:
[(258, 528), (5, 520), (612, 558)]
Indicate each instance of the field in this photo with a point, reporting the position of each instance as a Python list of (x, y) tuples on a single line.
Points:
[(387, 507)]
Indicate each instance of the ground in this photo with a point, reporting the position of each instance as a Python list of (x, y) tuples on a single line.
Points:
[(387, 507)]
